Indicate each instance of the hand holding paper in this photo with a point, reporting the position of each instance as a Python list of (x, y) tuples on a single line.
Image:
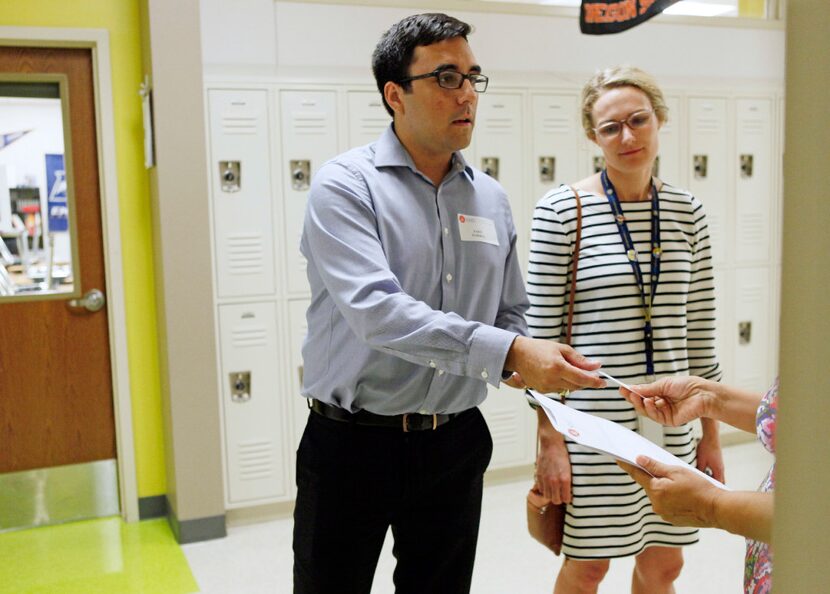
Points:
[(671, 400), (608, 437), (677, 494)]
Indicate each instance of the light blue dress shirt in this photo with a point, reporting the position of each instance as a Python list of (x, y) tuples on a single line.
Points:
[(407, 315)]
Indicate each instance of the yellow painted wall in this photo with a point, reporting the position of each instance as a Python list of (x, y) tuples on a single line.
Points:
[(121, 18), (752, 8)]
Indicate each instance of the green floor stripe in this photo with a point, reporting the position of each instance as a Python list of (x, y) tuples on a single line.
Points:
[(96, 556)]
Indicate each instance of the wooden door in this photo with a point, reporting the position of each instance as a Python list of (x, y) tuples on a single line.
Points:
[(56, 405)]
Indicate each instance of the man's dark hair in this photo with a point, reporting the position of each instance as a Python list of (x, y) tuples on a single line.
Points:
[(393, 53)]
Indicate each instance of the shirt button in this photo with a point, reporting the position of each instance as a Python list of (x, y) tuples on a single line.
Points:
[(484, 374), (446, 231), (432, 364), (440, 372), (423, 412), (449, 278)]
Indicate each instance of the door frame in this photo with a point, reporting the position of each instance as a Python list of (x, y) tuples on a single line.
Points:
[(97, 41)]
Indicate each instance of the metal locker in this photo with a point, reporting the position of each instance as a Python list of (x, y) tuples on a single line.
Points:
[(498, 145), (724, 321), (298, 406), (753, 185), (751, 328), (669, 167), (708, 163), (251, 403), (241, 193), (367, 117), (499, 135), (309, 139), (556, 132)]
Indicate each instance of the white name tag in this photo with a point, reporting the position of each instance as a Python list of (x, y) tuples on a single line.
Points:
[(477, 229)]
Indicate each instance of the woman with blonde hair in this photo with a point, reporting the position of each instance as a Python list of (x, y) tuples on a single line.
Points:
[(644, 307)]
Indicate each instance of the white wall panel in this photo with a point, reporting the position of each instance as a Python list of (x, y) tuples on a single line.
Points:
[(255, 465), (309, 133), (242, 219), (314, 34)]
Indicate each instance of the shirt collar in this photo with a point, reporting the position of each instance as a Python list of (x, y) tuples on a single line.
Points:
[(389, 152)]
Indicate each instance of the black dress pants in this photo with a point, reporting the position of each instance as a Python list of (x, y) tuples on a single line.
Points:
[(354, 482)]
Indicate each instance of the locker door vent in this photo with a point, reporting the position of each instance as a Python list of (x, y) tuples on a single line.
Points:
[(240, 125), (752, 227), (709, 125), (310, 123), (504, 426), (256, 336), (245, 253), (256, 461), (556, 125)]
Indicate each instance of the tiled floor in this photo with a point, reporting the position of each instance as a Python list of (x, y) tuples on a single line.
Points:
[(256, 559), (108, 556)]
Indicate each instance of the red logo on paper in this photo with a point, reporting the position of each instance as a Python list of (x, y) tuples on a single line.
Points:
[(573, 432), (461, 219)]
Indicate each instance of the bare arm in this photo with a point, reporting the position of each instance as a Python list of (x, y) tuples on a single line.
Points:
[(553, 465), (683, 498), (677, 400)]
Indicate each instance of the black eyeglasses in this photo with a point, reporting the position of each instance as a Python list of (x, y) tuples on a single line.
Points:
[(452, 79)]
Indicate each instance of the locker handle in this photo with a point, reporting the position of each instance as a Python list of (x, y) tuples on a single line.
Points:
[(240, 386), (744, 332)]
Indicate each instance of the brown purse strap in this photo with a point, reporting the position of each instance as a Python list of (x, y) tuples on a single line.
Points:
[(574, 265)]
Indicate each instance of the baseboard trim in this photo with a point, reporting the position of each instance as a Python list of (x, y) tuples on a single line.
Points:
[(152, 507), (198, 529)]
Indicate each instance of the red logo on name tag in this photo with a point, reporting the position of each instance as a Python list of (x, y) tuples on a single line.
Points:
[(573, 432), (461, 219)]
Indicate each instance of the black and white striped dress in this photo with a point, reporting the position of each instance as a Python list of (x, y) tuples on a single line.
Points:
[(610, 515)]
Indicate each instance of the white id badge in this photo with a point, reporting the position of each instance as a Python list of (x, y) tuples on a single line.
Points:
[(472, 228)]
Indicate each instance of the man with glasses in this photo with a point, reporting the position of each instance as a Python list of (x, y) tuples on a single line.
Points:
[(417, 304)]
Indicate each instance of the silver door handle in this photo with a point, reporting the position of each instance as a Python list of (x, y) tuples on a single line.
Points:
[(92, 301)]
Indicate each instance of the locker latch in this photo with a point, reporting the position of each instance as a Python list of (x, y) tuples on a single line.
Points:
[(599, 163), (240, 386), (300, 174), (700, 164), (746, 166), (230, 175), (490, 166), (547, 168), (744, 332)]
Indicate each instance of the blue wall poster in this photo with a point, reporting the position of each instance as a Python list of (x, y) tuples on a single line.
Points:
[(58, 211)]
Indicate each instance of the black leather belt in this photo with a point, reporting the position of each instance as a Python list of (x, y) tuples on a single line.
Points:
[(406, 422)]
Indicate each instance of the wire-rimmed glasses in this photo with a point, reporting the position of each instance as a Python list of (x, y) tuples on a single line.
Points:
[(612, 128)]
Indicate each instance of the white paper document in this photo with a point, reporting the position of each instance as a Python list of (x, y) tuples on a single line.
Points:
[(607, 437)]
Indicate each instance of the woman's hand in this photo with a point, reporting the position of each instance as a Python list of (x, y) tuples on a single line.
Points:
[(673, 400), (677, 494), (710, 455), (553, 465)]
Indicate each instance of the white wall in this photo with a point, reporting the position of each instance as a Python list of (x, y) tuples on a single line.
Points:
[(280, 35)]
